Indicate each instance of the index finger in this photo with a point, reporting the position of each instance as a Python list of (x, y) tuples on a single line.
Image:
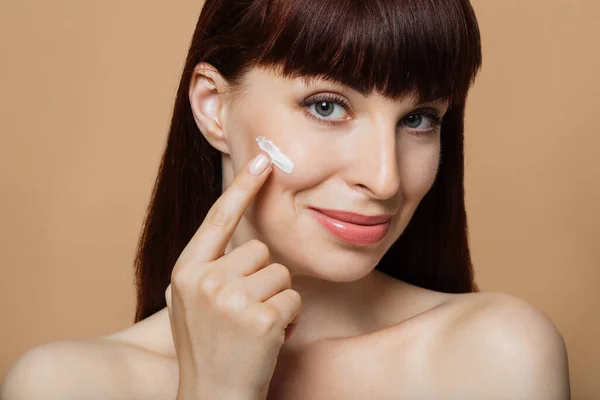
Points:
[(211, 239)]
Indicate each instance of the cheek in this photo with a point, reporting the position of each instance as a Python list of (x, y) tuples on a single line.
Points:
[(418, 169), (310, 167), (282, 196), (277, 125)]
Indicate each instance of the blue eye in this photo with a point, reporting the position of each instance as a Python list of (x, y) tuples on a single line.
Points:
[(414, 120), (327, 108)]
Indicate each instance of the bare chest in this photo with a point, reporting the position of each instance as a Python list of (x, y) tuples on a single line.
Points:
[(390, 363), (378, 366), (384, 365)]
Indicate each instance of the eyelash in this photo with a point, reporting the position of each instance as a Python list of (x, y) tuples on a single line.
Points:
[(433, 115), (436, 121), (329, 98)]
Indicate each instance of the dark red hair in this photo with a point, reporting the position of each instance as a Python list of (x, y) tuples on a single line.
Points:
[(430, 49)]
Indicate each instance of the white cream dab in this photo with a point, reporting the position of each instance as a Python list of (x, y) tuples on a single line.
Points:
[(278, 158)]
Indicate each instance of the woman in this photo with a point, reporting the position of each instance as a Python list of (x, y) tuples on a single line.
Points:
[(274, 287)]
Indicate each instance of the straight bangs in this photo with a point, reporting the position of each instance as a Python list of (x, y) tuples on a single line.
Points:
[(426, 49)]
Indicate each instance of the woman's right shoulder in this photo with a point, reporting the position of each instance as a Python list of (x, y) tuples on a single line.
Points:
[(97, 368)]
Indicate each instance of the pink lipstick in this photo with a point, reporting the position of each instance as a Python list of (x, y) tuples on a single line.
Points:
[(353, 228)]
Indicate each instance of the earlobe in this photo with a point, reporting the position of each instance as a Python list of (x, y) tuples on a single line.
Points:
[(206, 100)]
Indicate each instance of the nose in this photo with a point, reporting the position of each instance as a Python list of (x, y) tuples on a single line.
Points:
[(374, 166)]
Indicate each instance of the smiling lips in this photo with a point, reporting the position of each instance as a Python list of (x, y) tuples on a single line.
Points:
[(351, 227)]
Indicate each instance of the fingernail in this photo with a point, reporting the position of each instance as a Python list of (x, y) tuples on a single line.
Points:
[(259, 164)]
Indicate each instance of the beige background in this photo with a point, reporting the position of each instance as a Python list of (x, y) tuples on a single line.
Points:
[(86, 90)]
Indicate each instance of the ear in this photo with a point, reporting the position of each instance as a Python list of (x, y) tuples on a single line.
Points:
[(206, 94)]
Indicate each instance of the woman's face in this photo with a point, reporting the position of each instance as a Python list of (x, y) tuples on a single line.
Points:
[(352, 152)]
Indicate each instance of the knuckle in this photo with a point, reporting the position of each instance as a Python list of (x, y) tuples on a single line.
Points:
[(219, 218), (180, 279), (211, 283), (233, 299), (267, 319)]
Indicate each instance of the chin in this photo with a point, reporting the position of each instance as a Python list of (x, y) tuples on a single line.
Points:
[(330, 267)]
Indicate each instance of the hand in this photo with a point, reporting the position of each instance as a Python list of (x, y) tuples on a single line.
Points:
[(229, 313)]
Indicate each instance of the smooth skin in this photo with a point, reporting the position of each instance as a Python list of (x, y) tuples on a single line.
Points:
[(360, 334), (471, 346)]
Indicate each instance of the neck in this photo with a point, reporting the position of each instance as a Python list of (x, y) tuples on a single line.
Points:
[(330, 310), (333, 309)]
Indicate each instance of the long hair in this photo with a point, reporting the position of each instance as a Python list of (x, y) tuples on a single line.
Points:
[(427, 48)]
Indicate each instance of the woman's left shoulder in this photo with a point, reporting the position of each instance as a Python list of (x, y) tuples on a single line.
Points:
[(499, 343), (497, 315)]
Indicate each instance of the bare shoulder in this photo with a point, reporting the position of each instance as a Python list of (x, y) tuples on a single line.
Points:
[(495, 345), (91, 369), (152, 334)]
